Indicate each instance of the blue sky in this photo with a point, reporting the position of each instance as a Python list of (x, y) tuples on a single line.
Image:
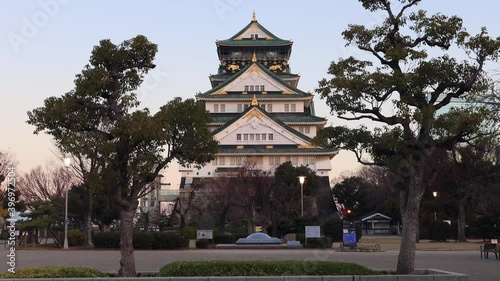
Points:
[(44, 43)]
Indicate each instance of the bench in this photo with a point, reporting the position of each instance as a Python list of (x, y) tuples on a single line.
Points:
[(490, 248)]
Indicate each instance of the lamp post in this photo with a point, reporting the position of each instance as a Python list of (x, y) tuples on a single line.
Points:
[(67, 163), (301, 180), (435, 194)]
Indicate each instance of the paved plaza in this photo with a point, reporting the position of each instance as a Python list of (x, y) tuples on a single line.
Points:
[(468, 262)]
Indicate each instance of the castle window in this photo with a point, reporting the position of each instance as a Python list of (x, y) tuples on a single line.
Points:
[(222, 108), (251, 88), (263, 137), (235, 160), (246, 88), (238, 137), (216, 108), (251, 137), (269, 107), (274, 160), (309, 160), (287, 108), (304, 129), (245, 136), (292, 107), (262, 88), (221, 160), (257, 137), (218, 161), (270, 137)]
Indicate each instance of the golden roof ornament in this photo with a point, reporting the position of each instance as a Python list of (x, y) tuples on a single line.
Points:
[(254, 100), (254, 18), (254, 57)]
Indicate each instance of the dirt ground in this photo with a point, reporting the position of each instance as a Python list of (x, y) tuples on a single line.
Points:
[(392, 243)]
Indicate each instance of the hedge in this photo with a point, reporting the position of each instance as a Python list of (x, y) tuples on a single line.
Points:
[(202, 244), (441, 231), (75, 238), (323, 242), (263, 268), (54, 272), (142, 240)]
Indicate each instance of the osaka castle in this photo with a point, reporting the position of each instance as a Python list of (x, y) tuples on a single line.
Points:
[(259, 115)]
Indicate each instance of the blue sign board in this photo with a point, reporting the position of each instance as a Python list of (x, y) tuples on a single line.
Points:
[(349, 238)]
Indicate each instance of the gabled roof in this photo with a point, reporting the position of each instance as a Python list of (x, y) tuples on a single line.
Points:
[(246, 150), (370, 216), (259, 110), (265, 37), (287, 118), (247, 70)]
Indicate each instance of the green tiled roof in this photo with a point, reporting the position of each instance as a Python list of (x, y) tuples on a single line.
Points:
[(223, 76), (228, 75), (285, 126), (267, 71), (258, 96), (275, 41), (277, 150), (283, 117), (272, 42)]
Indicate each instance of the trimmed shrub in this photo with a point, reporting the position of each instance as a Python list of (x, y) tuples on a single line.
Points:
[(223, 238), (189, 232), (75, 238), (54, 272), (164, 240), (359, 232), (142, 240), (333, 229), (322, 243), (441, 231), (239, 235), (424, 232), (263, 268), (106, 240), (202, 244)]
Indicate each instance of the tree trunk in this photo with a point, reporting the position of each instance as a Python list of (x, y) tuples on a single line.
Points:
[(146, 220), (127, 261), (461, 221), (88, 219), (410, 198)]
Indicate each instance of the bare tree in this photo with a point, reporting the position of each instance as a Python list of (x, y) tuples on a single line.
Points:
[(44, 184), (7, 161)]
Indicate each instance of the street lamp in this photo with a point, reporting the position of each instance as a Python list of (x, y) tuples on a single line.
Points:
[(301, 180), (67, 163), (435, 194)]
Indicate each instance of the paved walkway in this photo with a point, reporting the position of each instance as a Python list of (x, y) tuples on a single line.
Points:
[(467, 262)]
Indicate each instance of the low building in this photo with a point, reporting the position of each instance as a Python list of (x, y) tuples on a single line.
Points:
[(376, 223)]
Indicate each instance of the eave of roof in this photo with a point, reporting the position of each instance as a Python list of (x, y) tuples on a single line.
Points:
[(267, 71), (270, 116), (233, 38), (287, 118), (277, 151)]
